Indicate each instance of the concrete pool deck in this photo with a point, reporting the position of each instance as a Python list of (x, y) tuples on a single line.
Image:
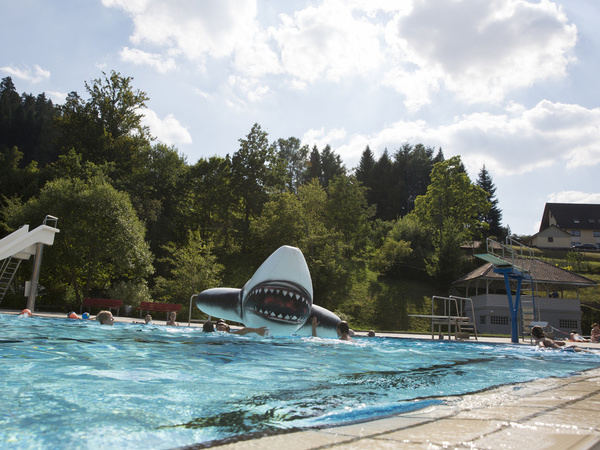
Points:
[(548, 413)]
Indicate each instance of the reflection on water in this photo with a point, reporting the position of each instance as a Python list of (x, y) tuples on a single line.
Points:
[(65, 382)]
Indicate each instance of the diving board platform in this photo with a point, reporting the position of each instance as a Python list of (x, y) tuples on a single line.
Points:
[(452, 314), (514, 261), (20, 246)]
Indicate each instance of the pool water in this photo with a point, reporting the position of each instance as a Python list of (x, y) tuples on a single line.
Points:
[(68, 383)]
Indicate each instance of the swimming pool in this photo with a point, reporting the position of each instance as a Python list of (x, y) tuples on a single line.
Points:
[(68, 383)]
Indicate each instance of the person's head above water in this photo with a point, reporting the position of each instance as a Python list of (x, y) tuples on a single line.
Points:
[(208, 327), (343, 327), (222, 326), (105, 318)]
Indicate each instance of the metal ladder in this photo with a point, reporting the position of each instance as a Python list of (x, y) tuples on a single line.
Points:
[(8, 269)]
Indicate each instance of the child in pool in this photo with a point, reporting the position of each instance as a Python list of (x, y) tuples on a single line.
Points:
[(105, 318), (172, 317)]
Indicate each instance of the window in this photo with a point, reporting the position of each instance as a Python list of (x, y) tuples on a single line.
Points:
[(575, 232), (499, 320), (596, 233), (566, 323), (550, 239), (482, 320)]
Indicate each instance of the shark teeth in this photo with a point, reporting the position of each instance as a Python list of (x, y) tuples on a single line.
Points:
[(274, 315), (282, 292)]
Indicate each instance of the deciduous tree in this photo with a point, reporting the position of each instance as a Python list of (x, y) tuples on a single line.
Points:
[(100, 240)]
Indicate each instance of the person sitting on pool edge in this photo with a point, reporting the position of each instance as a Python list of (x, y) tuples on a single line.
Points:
[(595, 333), (105, 318), (576, 337), (542, 341)]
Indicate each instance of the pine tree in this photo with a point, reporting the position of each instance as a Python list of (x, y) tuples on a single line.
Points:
[(494, 217)]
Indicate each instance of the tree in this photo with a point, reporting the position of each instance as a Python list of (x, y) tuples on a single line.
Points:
[(107, 127), (450, 210), (295, 158), (100, 240), (366, 166), (494, 216), (313, 169), (211, 204), (256, 172), (331, 165), (324, 166), (27, 122), (193, 268), (348, 211)]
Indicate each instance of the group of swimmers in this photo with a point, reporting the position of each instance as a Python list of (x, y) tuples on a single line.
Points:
[(106, 318)]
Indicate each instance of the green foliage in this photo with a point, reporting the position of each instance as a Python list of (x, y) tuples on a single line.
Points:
[(256, 172), (26, 122), (294, 156), (390, 254), (17, 182), (131, 292), (348, 212), (575, 259), (450, 211), (101, 238), (193, 268), (107, 127), (493, 217)]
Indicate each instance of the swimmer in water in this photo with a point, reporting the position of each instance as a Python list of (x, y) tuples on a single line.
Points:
[(172, 317), (105, 318), (222, 326), (147, 320), (343, 331)]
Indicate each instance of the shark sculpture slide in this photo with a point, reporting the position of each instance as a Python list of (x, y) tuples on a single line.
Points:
[(279, 296)]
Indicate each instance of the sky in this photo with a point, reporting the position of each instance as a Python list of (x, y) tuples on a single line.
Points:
[(509, 84)]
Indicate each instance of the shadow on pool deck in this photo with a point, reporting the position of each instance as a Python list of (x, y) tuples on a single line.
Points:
[(549, 413)]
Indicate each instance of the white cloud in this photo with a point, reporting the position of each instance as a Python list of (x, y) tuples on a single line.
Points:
[(38, 74), (574, 197), (190, 29), (246, 89), (57, 97), (482, 49), (327, 41), (155, 60), (518, 142), (321, 138), (478, 50), (167, 130)]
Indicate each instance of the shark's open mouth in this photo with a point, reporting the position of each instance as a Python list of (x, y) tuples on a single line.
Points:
[(279, 301)]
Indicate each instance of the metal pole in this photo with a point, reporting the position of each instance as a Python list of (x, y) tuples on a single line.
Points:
[(190, 312)]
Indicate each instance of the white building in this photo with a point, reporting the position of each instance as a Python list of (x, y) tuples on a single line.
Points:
[(490, 302)]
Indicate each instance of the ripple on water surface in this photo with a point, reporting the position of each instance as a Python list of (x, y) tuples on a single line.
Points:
[(147, 386)]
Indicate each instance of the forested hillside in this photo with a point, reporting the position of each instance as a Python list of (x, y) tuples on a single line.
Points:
[(138, 221)]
